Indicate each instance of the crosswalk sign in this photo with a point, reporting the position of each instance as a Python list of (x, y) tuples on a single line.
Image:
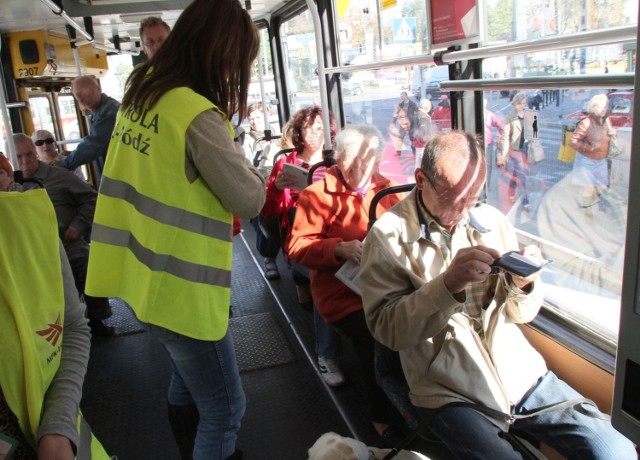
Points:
[(404, 30)]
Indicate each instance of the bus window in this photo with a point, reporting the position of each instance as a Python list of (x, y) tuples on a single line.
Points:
[(68, 119), (268, 84), (368, 33), (575, 213), (577, 217), (41, 113), (3, 131), (299, 45), (255, 94)]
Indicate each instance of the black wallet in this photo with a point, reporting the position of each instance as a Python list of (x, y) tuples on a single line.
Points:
[(519, 264)]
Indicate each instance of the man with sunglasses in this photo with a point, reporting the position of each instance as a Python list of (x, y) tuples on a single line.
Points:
[(74, 202), (47, 149), (430, 293)]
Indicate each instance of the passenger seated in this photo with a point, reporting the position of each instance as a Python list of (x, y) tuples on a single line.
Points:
[(429, 292), (74, 202), (307, 137), (45, 339), (7, 184), (330, 224), (257, 149), (47, 150)]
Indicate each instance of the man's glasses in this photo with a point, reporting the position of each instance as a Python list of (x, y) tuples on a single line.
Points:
[(152, 42), (41, 142)]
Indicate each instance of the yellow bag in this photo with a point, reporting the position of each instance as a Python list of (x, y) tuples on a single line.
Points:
[(566, 153)]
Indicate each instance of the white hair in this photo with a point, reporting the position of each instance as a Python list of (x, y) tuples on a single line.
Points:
[(357, 134), (597, 103)]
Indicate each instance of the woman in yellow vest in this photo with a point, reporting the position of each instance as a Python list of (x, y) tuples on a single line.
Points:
[(161, 238), (45, 339)]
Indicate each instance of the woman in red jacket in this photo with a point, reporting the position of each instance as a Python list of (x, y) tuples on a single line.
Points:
[(307, 137), (330, 223)]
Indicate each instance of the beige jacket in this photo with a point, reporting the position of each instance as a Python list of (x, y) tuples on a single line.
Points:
[(409, 309), (511, 134)]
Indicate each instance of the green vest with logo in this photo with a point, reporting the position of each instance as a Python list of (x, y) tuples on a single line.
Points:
[(32, 311), (160, 242)]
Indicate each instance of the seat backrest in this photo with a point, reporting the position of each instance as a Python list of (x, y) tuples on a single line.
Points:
[(326, 163), (277, 156), (405, 188)]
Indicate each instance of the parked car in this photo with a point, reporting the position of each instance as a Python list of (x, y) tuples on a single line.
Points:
[(434, 76), (620, 110)]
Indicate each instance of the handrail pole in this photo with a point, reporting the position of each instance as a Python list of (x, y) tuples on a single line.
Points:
[(579, 39), (324, 99), (60, 12), (265, 109)]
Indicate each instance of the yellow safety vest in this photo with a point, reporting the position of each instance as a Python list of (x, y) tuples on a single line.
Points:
[(32, 311), (159, 242)]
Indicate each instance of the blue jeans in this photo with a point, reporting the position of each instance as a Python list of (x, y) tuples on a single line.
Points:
[(206, 372), (518, 167), (328, 342), (578, 432)]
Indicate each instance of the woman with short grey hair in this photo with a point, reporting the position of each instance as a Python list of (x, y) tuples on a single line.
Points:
[(329, 226)]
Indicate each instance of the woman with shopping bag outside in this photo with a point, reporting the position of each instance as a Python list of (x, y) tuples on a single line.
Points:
[(591, 140)]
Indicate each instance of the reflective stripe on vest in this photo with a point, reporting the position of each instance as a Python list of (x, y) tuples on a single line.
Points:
[(160, 242), (89, 448), (32, 323)]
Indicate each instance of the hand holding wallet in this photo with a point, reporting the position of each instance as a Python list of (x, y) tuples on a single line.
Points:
[(519, 264)]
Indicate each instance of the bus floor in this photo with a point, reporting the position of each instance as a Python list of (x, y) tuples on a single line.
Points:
[(288, 405)]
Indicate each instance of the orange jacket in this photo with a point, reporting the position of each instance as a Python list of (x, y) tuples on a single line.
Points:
[(328, 213)]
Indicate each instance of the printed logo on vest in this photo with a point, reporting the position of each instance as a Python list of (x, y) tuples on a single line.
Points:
[(52, 333)]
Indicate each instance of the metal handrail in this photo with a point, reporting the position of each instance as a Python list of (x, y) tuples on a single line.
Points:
[(611, 36), (324, 98), (57, 10), (617, 81)]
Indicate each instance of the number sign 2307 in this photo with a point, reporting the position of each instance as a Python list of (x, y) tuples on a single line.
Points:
[(27, 72)]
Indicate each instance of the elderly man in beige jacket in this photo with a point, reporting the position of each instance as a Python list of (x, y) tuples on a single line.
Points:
[(431, 293)]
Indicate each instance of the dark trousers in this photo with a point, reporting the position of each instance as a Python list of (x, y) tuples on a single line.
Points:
[(78, 255), (355, 328)]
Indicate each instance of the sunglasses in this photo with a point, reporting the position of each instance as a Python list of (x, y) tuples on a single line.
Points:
[(41, 142)]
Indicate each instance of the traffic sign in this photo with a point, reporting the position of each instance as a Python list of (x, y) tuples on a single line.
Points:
[(404, 30)]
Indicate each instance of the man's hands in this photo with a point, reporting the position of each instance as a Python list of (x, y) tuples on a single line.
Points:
[(469, 266), (472, 265), (71, 234), (521, 282)]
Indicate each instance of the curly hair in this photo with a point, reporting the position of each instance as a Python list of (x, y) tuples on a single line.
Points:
[(306, 117)]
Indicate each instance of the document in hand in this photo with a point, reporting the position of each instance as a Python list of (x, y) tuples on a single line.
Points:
[(348, 274), (299, 175)]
